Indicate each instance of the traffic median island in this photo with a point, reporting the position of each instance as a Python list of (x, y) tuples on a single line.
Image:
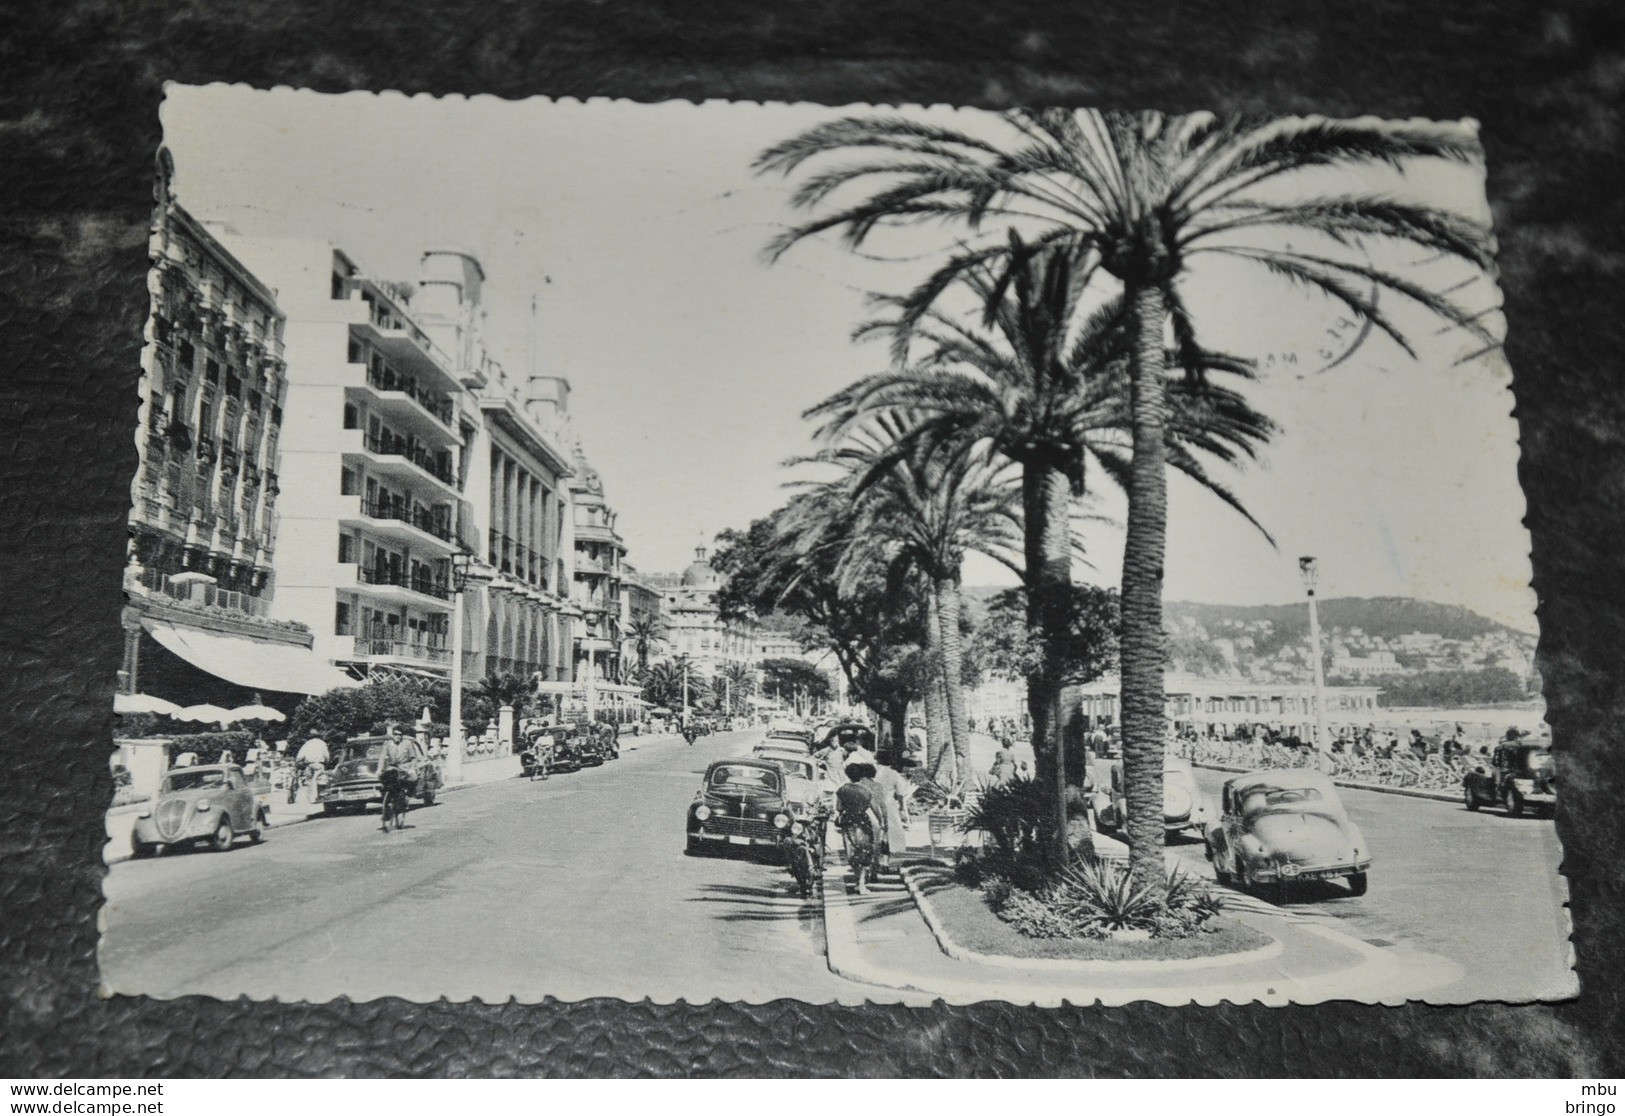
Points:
[(968, 929), (897, 937)]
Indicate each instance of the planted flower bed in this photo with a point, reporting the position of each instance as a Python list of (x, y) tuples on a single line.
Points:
[(972, 924), (1090, 906)]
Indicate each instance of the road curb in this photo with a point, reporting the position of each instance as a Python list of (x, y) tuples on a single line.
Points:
[(1077, 965), (841, 938), (1379, 788)]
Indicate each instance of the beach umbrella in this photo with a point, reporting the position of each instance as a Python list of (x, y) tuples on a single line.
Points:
[(209, 714), (256, 713), (143, 703)]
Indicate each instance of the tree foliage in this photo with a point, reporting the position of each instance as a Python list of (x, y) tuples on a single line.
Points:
[(364, 710), (787, 679), (1008, 648)]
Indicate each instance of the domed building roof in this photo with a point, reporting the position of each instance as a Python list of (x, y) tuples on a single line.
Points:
[(699, 574)]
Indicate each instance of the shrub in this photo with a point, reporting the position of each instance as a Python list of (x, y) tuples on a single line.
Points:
[(1017, 817), (1090, 899), (1101, 895), (1034, 917)]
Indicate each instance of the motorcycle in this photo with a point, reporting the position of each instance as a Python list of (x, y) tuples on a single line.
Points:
[(803, 845)]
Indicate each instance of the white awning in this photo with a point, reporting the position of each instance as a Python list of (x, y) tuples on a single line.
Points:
[(254, 664)]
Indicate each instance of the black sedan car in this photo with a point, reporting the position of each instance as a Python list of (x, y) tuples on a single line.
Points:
[(742, 802)]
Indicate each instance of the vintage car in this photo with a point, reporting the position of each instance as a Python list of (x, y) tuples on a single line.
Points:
[(859, 736), (352, 782), (795, 765), (744, 802), (776, 749), (1184, 808), (208, 805), (790, 730), (1279, 827), (1519, 776)]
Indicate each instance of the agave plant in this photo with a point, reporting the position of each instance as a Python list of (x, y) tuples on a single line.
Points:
[(1101, 895)]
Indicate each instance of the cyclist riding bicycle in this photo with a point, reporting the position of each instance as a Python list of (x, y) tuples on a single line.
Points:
[(397, 766)]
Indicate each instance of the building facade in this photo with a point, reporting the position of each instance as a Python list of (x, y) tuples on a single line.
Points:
[(374, 451), (695, 626), (200, 581)]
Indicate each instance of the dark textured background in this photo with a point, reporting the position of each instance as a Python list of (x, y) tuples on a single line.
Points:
[(79, 88)]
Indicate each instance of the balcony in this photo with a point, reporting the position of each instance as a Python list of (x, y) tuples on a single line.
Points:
[(428, 414), (413, 523), (404, 651), (398, 457), (406, 346), (400, 585)]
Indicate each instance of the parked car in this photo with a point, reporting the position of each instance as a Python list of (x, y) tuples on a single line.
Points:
[(209, 805), (1518, 776), (790, 730), (795, 765), (781, 749), (740, 802), (1184, 808), (1278, 827), (352, 782)]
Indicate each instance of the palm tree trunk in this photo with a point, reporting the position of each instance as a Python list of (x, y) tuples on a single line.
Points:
[(953, 666), (1141, 648), (1049, 583), (938, 741)]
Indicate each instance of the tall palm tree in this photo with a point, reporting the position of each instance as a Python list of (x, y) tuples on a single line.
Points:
[(1043, 380), (741, 684), (643, 632), (1147, 195), (928, 510)]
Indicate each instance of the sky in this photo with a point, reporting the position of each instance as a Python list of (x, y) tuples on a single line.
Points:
[(639, 231)]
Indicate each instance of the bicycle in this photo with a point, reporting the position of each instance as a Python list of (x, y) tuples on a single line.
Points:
[(395, 802)]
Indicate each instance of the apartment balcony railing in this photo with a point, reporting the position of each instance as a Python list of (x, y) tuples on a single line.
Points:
[(417, 455), (435, 403), (198, 593), (373, 576), (402, 649), (417, 516)]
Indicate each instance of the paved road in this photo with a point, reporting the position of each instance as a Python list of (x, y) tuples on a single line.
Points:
[(572, 887), (1478, 891)]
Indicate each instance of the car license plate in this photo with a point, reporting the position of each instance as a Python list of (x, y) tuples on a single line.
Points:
[(733, 840), (1321, 874)]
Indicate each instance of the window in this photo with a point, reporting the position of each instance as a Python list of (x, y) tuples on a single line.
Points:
[(341, 619), (338, 285), (346, 550), (352, 418), (347, 482), (357, 353)]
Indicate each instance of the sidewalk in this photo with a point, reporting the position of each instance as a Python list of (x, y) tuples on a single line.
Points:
[(892, 938)]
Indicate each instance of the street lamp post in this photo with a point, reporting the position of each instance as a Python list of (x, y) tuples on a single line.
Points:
[(685, 691), (1310, 571), (463, 574)]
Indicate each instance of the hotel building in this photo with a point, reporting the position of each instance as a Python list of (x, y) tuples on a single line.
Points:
[(201, 623)]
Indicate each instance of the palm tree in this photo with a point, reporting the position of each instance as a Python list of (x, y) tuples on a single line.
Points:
[(741, 684), (663, 685), (1045, 384), (507, 689), (643, 632), (927, 510), (1145, 195)]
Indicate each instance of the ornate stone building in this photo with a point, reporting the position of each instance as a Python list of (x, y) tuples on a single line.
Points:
[(204, 515)]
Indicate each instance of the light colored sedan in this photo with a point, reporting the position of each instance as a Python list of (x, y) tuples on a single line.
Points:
[(1284, 826), (208, 805), (1184, 808)]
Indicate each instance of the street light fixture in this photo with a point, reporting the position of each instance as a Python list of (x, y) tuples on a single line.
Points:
[(465, 571), (1309, 569)]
